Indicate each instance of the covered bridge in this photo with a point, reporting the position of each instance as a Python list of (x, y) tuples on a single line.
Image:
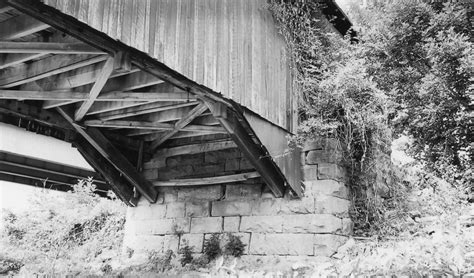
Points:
[(183, 107)]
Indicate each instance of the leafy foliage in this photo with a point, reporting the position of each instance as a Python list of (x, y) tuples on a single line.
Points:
[(421, 55), (339, 97), (212, 247), (158, 262), (234, 246), (410, 73), (67, 233), (186, 255)]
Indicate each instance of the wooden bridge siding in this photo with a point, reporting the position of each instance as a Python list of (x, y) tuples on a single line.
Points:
[(231, 46)]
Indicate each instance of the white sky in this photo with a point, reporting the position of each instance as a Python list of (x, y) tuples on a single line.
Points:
[(15, 196)]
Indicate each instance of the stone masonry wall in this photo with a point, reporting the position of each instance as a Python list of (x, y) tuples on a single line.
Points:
[(315, 225)]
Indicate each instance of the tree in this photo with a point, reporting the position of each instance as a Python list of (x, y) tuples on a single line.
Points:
[(421, 55)]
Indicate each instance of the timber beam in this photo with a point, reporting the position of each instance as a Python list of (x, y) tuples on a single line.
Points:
[(102, 78), (180, 125), (151, 126), (33, 113), (142, 108), (99, 40), (94, 137), (47, 48), (20, 26), (208, 181), (46, 67), (259, 158), (114, 178)]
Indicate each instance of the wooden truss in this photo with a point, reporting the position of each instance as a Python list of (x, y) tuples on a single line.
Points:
[(113, 101)]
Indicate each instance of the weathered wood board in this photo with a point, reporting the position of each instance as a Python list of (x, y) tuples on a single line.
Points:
[(230, 46)]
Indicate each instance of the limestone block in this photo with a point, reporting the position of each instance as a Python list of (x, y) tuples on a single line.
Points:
[(208, 169), (147, 211), (171, 242), (155, 163), (231, 224), (180, 160), (175, 172), (197, 209), (329, 171), (310, 172), (311, 223), (232, 164), (150, 174), (304, 205), (144, 243), (347, 226), (281, 244), (245, 164), (327, 244), (327, 187), (214, 157), (170, 195), (230, 208), (332, 205), (175, 210), (321, 143), (269, 206), (240, 191), (141, 227), (324, 156), (192, 240), (261, 224), (206, 225), (210, 193), (170, 226)]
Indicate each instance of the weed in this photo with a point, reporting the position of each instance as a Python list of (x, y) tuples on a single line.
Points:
[(160, 263), (212, 247), (234, 246), (187, 256)]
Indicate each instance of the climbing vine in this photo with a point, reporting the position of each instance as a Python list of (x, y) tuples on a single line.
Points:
[(338, 100)]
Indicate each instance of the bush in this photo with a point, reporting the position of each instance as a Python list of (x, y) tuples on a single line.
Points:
[(74, 233), (234, 246), (212, 248), (187, 255), (160, 263)]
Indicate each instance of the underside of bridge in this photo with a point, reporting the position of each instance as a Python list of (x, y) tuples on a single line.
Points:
[(124, 110)]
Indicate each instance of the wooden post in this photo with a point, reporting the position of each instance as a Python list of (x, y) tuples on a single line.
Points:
[(115, 179), (112, 155)]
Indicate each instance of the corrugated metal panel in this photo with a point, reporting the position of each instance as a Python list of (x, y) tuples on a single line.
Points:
[(231, 46)]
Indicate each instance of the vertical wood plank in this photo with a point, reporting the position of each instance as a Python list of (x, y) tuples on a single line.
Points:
[(153, 28), (184, 47), (199, 42), (189, 61), (83, 11), (236, 50), (210, 39), (176, 37), (160, 33), (222, 47), (108, 9), (247, 69), (256, 55), (127, 9), (146, 29), (170, 33)]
